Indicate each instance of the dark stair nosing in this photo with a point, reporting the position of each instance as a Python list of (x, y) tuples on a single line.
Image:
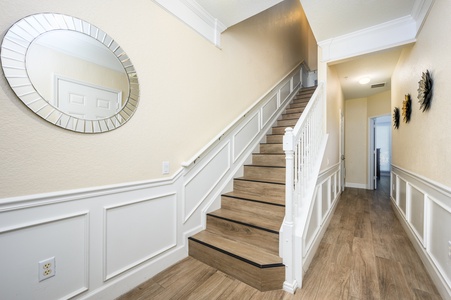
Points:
[(243, 223), (265, 266), (265, 166), (255, 180), (252, 200)]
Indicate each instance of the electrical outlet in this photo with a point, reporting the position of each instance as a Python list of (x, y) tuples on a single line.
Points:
[(47, 268)]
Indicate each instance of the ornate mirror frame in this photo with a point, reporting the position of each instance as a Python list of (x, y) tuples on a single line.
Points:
[(13, 60)]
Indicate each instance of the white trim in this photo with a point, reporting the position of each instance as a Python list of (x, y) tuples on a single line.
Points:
[(17, 211), (356, 185), (386, 35), (382, 36), (420, 10), (196, 17), (29, 201), (434, 194)]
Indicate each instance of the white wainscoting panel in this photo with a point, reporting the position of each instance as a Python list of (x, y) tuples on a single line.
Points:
[(326, 199), (108, 239), (245, 136), (325, 195), (427, 222), (198, 187), (439, 238), (131, 241), (416, 211), (297, 79), (402, 199), (22, 247), (285, 91), (269, 109)]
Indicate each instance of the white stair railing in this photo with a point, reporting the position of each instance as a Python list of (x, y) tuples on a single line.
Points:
[(304, 148)]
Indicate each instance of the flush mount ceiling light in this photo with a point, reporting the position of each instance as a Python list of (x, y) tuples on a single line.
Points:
[(364, 80)]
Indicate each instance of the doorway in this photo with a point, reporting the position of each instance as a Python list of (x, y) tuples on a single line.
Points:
[(379, 150)]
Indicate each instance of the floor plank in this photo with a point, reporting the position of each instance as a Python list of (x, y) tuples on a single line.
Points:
[(364, 254)]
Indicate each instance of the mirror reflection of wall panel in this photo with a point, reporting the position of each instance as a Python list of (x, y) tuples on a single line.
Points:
[(40, 47)]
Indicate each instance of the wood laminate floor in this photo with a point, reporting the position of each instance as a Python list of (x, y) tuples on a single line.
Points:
[(364, 254)]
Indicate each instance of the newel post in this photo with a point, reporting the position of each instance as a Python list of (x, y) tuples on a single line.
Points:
[(288, 225)]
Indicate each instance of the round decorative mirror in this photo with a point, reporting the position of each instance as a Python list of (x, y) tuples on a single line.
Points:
[(70, 73)]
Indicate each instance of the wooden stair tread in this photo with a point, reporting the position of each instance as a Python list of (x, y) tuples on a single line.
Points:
[(242, 237), (253, 197), (257, 220), (253, 255)]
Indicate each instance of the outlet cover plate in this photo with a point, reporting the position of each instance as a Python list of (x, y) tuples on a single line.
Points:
[(47, 268)]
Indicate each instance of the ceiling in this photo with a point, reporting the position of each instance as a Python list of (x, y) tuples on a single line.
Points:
[(357, 37), (377, 66), (334, 18)]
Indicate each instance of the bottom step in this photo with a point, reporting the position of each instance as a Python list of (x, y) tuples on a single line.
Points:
[(261, 277)]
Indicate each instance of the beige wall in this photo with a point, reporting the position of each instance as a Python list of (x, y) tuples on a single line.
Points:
[(357, 113), (190, 91), (335, 102), (423, 146)]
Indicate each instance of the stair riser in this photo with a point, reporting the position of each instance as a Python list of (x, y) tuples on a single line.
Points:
[(272, 190), (265, 173), (263, 279), (294, 110), (245, 234), (266, 210), (271, 148), (277, 130), (304, 100), (269, 160), (288, 123), (297, 105), (274, 139), (291, 116)]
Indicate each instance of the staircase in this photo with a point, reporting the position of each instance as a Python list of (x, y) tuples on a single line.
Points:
[(242, 237)]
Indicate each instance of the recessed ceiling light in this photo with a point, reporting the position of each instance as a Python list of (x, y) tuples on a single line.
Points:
[(364, 80)]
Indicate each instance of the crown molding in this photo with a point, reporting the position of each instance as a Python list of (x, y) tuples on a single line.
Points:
[(196, 17), (386, 35)]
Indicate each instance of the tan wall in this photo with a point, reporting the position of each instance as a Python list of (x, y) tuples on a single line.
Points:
[(357, 113), (335, 102), (423, 146), (190, 91)]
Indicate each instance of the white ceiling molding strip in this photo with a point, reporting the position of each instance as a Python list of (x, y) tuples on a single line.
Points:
[(383, 36), (420, 10), (387, 35), (192, 14)]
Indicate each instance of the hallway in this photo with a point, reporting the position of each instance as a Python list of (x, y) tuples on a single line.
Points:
[(364, 254)]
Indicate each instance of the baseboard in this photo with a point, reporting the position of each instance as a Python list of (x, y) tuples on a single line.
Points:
[(356, 185)]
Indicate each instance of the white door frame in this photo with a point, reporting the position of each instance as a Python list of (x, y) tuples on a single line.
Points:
[(342, 151), (371, 150)]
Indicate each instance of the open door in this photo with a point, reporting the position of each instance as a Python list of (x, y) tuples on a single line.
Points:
[(342, 151)]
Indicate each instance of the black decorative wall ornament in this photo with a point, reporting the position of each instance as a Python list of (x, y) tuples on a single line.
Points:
[(425, 91), (406, 108), (396, 118)]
